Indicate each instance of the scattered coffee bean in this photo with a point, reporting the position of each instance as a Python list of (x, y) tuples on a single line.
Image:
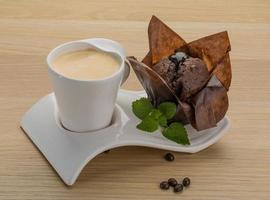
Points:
[(107, 151), (172, 182), (178, 188), (186, 182), (169, 157), (164, 185)]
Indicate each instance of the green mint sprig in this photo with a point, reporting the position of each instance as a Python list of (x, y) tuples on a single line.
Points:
[(142, 107), (155, 118)]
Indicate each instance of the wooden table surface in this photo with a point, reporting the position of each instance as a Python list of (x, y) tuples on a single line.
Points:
[(237, 167)]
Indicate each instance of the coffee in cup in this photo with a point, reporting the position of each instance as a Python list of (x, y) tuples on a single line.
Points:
[(87, 64)]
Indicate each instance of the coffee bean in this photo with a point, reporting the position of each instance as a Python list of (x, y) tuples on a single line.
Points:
[(178, 188), (186, 181), (172, 182), (169, 157), (164, 185)]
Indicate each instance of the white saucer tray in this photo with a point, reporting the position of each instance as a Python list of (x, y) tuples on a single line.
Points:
[(68, 152)]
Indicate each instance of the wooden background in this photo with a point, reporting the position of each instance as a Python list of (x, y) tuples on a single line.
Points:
[(237, 167)]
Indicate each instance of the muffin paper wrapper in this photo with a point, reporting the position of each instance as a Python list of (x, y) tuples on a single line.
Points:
[(209, 105)]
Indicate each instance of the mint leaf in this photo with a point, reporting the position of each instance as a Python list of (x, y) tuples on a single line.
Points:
[(155, 114), (177, 133), (168, 109), (148, 124), (162, 120), (142, 107)]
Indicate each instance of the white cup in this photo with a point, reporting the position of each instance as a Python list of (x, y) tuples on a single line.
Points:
[(87, 105)]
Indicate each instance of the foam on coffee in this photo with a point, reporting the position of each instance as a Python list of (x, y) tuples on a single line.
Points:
[(87, 64)]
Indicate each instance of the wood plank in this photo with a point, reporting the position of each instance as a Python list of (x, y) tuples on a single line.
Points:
[(139, 10)]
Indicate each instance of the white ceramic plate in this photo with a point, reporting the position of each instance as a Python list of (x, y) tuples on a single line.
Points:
[(68, 152)]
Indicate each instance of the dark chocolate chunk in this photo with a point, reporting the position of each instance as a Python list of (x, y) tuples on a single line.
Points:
[(180, 56), (174, 60)]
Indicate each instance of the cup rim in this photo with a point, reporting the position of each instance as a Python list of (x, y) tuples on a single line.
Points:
[(85, 41)]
